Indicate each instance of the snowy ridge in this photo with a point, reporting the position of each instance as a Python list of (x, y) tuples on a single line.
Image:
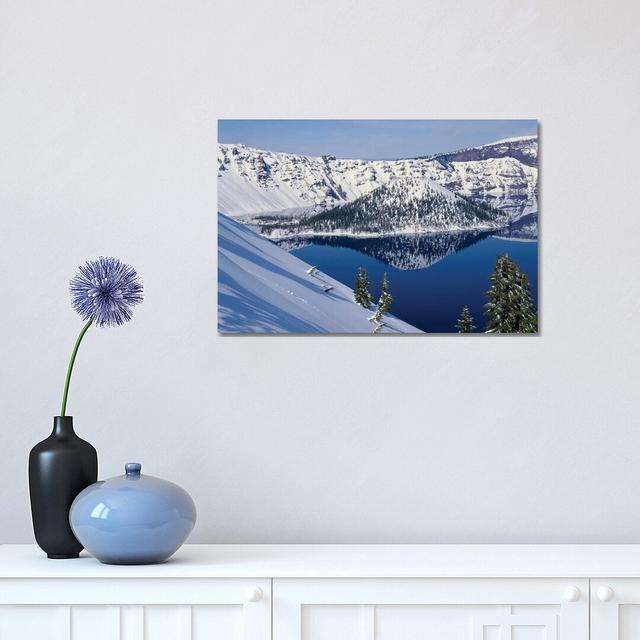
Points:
[(512, 139), (403, 206), (253, 181), (417, 188), (264, 289), (524, 149)]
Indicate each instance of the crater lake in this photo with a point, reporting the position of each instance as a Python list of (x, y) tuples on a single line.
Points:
[(432, 276)]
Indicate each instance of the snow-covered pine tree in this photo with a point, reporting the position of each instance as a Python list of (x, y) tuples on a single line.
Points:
[(386, 299), (499, 308), (465, 321), (529, 317), (361, 291), (384, 302), (510, 306)]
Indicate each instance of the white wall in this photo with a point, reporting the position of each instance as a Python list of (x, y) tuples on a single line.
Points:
[(108, 126)]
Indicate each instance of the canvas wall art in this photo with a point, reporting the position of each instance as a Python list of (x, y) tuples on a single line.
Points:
[(378, 227)]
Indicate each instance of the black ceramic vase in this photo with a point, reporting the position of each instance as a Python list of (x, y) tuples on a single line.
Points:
[(60, 467)]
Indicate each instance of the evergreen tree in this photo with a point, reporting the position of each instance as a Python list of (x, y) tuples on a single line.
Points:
[(465, 321), (386, 299), (510, 306), (529, 317), (384, 302), (361, 291)]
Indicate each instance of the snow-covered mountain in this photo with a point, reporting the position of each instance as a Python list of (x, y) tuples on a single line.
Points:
[(264, 289), (522, 148), (405, 206), (402, 206), (251, 181)]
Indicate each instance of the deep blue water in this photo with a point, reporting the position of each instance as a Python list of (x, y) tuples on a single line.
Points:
[(431, 297)]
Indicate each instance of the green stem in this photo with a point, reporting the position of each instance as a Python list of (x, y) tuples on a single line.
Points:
[(70, 367)]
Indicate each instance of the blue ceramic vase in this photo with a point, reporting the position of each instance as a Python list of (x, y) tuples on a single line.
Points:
[(132, 519)]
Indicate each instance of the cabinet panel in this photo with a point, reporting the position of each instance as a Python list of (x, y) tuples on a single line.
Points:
[(415, 609), (170, 609), (447, 621), (615, 609), (331, 621), (35, 621), (212, 622), (98, 622)]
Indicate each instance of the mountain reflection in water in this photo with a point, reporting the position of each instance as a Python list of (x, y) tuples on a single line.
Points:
[(402, 252), (432, 276)]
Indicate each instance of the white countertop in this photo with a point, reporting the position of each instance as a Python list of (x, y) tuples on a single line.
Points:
[(344, 561)]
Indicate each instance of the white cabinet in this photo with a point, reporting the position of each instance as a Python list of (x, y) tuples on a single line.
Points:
[(615, 609), (418, 609), (135, 609), (328, 592)]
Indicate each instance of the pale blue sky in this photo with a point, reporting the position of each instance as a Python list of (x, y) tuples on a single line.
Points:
[(371, 139)]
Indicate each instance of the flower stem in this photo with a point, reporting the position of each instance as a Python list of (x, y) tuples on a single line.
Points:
[(70, 367)]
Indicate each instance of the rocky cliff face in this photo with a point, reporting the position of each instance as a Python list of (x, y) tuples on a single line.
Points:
[(251, 181), (523, 148)]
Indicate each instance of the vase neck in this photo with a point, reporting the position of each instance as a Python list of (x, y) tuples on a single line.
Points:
[(63, 427)]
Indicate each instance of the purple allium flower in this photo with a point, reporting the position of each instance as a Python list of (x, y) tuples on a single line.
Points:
[(104, 290)]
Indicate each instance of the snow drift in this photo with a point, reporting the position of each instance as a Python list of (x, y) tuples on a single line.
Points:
[(264, 289)]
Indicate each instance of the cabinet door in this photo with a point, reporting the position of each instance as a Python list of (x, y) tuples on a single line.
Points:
[(426, 609), (135, 609), (615, 609)]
